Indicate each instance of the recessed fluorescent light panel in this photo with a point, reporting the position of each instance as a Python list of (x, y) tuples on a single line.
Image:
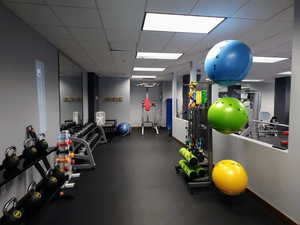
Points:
[(258, 59), (252, 80), (180, 23), (143, 77), (157, 55), (285, 73), (249, 80), (151, 69)]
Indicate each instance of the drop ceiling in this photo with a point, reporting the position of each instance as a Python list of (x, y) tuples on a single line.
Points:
[(103, 36)]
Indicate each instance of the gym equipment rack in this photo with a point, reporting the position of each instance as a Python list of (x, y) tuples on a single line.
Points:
[(6, 176), (199, 133), (83, 144)]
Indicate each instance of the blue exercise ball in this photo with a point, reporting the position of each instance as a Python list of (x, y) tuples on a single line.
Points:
[(228, 62), (123, 129)]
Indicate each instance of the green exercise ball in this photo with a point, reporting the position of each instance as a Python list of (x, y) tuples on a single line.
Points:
[(227, 115)]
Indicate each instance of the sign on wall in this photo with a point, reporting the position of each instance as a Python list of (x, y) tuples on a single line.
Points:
[(113, 99), (72, 99)]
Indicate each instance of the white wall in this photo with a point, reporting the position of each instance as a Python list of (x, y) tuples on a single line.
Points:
[(179, 130), (115, 87), (20, 47)]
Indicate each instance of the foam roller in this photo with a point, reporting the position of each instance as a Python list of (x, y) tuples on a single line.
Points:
[(188, 156), (201, 171), (192, 174)]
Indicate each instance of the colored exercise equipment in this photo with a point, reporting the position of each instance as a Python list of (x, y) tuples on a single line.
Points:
[(123, 129), (227, 115), (191, 173), (228, 62), (197, 97), (188, 156), (230, 177)]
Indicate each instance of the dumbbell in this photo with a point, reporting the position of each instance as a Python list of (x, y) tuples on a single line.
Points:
[(11, 160), (12, 216), (30, 151)]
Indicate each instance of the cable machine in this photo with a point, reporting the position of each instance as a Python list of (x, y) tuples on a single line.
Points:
[(147, 107)]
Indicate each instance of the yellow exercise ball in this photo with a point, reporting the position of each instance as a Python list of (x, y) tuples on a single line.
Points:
[(230, 177)]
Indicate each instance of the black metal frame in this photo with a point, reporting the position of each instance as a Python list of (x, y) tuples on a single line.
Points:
[(198, 128)]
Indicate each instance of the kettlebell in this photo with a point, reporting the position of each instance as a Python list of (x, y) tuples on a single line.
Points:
[(50, 181), (42, 144), (30, 151), (12, 215), (11, 160), (34, 197)]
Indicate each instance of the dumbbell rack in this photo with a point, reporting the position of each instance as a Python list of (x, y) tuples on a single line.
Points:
[(6, 176), (24, 165), (83, 144), (199, 129)]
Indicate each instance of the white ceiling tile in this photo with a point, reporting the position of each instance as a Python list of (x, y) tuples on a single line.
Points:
[(171, 6), (88, 34), (182, 42), (52, 32), (125, 18), (152, 41), (73, 3), (123, 4), (121, 39), (282, 41), (285, 16), (265, 31), (34, 14), (126, 45), (119, 35), (262, 9), (143, 63), (98, 50), (78, 17), (217, 7), (123, 60), (231, 28)]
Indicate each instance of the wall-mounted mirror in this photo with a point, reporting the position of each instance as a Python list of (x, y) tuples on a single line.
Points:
[(71, 105)]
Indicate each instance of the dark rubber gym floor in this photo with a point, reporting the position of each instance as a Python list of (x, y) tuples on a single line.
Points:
[(135, 184)]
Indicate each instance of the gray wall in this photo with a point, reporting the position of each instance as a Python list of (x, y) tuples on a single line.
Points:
[(20, 47), (115, 87), (70, 86)]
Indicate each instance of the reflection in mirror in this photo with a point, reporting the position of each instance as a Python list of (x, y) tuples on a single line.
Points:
[(70, 75), (268, 106)]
